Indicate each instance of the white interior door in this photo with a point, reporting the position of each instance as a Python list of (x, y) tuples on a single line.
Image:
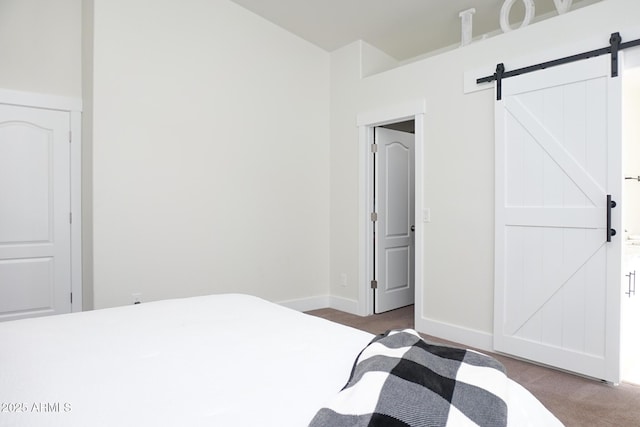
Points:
[(395, 201), (35, 248), (558, 156)]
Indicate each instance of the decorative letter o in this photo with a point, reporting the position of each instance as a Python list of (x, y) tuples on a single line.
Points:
[(530, 12)]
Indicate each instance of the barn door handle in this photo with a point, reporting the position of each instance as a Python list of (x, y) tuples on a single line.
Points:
[(610, 205)]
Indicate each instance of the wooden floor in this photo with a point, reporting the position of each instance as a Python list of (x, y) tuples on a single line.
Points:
[(575, 400)]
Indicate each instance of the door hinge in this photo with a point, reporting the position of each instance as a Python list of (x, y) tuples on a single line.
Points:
[(69, 137), (374, 284), (374, 216), (71, 297), (374, 148), (70, 218)]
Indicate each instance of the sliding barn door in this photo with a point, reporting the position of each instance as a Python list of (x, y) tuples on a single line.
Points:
[(558, 157)]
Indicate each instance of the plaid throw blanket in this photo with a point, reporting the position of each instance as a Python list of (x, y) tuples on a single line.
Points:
[(400, 380)]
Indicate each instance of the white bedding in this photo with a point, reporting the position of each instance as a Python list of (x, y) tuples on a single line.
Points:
[(220, 360)]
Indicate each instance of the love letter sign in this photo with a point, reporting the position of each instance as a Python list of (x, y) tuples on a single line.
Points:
[(562, 6)]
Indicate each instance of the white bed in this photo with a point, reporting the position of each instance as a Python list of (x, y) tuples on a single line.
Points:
[(220, 360)]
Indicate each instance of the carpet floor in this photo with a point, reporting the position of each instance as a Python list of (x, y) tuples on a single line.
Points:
[(575, 400)]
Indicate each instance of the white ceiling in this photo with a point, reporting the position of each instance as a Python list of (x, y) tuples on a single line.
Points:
[(402, 28)]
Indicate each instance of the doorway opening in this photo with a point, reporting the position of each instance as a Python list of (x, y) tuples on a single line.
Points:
[(408, 117), (393, 216), (42, 219), (630, 307)]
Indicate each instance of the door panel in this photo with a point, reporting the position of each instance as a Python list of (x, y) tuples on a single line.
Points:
[(27, 284), (35, 265), (557, 158), (24, 212), (397, 268), (395, 207)]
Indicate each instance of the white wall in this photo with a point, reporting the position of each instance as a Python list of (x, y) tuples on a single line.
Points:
[(40, 46), (210, 154), (458, 159)]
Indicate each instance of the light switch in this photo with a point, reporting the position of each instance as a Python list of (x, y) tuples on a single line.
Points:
[(426, 215)]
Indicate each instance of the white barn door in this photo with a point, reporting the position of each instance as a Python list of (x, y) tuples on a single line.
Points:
[(395, 205), (35, 206), (557, 279)]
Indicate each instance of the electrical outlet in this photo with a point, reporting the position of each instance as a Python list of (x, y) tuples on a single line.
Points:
[(343, 280), (136, 298)]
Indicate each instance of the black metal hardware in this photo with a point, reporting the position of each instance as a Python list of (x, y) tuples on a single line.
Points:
[(632, 289), (499, 76), (635, 178), (615, 45), (610, 205), (632, 43), (413, 228)]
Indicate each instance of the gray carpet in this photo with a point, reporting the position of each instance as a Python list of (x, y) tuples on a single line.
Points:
[(575, 400)]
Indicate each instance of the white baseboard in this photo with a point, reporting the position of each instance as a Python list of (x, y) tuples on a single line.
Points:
[(460, 335), (306, 304), (344, 304), (322, 301), (464, 336)]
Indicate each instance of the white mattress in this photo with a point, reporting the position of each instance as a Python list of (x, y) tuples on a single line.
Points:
[(222, 360)]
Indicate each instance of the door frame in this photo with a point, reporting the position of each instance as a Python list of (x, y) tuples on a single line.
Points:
[(73, 106), (366, 123)]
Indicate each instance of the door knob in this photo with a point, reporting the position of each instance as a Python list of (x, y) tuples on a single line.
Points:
[(413, 228)]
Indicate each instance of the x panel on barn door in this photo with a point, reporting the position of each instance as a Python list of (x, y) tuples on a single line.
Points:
[(557, 159)]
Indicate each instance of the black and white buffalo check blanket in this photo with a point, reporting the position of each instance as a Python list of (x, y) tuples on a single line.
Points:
[(400, 380)]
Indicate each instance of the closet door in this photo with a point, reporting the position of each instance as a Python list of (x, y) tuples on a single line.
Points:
[(557, 277), (35, 206), (395, 205)]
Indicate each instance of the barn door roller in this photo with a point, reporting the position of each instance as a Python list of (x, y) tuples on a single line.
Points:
[(615, 45)]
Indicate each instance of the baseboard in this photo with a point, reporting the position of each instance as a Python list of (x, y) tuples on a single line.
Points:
[(322, 301), (306, 304), (344, 304), (446, 331), (460, 335)]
